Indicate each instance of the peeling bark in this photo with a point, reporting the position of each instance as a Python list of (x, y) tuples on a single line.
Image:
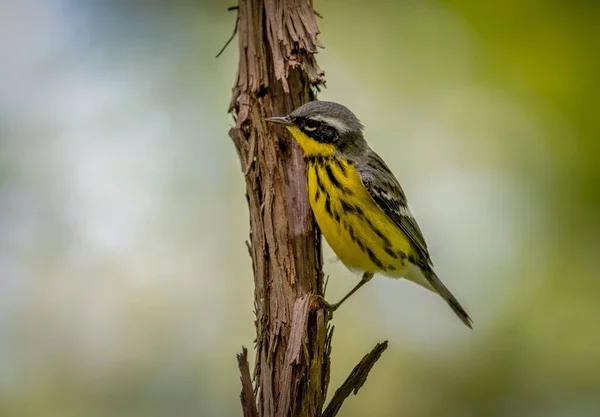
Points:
[(277, 73)]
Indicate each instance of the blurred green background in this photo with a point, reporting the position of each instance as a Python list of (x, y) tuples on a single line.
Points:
[(125, 284)]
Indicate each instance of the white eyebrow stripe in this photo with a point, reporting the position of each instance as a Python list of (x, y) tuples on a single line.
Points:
[(339, 125)]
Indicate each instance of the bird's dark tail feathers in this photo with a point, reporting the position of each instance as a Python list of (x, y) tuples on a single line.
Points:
[(440, 288)]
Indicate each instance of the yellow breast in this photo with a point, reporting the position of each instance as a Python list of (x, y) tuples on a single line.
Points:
[(357, 230)]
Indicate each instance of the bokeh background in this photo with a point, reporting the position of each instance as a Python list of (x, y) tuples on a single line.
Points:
[(125, 284)]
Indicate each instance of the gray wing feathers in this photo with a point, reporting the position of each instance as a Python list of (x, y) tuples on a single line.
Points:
[(387, 193), (385, 190)]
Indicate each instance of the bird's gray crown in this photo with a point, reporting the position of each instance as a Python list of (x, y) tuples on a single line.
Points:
[(329, 113)]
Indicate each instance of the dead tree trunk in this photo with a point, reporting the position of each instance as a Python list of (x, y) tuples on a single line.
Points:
[(277, 73)]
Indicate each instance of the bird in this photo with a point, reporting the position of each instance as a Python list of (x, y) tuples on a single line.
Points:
[(358, 203)]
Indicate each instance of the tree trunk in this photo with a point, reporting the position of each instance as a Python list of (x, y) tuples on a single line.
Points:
[(278, 73)]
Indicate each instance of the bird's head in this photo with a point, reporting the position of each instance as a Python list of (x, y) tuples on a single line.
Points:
[(323, 127)]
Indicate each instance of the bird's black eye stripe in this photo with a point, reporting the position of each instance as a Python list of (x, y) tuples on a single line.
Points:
[(316, 129), (311, 125), (307, 125)]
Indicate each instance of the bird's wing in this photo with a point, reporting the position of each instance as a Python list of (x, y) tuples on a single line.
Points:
[(387, 193)]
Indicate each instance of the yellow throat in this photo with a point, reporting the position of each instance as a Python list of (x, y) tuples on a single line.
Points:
[(310, 146)]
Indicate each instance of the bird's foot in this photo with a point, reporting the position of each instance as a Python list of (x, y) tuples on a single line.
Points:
[(329, 308)]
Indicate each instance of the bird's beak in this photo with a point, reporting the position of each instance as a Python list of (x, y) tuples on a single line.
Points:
[(282, 120)]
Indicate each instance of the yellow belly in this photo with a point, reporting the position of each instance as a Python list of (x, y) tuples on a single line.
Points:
[(357, 230)]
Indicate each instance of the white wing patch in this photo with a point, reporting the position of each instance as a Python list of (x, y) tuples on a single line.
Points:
[(403, 209)]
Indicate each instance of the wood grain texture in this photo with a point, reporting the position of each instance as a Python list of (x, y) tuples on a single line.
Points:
[(277, 73)]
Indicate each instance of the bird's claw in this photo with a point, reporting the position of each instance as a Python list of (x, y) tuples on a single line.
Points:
[(329, 308)]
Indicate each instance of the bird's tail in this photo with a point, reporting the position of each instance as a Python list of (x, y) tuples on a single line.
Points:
[(439, 287)]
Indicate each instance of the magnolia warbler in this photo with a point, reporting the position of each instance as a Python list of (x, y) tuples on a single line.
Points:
[(357, 202)]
